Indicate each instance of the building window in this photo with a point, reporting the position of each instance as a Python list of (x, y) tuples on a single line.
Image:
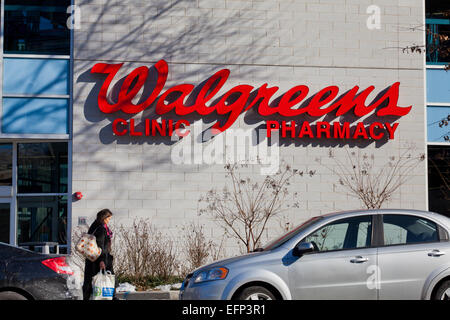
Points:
[(47, 81), (439, 179), (4, 222), (42, 167), (438, 128), (36, 88), (35, 116), (42, 219), (36, 27), (35, 76), (42, 193), (34, 203), (6, 151), (438, 31)]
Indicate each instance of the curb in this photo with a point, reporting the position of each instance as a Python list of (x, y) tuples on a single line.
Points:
[(148, 295)]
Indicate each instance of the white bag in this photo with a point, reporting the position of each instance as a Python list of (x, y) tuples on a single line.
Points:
[(103, 286)]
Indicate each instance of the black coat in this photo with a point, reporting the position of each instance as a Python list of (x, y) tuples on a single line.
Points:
[(103, 242), (92, 268)]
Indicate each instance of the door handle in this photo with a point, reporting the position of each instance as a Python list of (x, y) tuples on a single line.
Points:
[(359, 259), (436, 253)]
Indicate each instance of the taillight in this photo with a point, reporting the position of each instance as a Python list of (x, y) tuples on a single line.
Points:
[(58, 265)]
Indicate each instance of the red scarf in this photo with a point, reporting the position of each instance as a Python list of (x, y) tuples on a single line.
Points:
[(108, 231)]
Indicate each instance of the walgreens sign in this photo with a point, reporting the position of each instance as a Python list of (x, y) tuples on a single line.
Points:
[(243, 98)]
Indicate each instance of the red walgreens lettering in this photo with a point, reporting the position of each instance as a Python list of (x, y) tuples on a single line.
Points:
[(152, 127), (323, 129), (239, 97)]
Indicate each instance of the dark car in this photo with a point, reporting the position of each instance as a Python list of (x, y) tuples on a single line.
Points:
[(27, 275)]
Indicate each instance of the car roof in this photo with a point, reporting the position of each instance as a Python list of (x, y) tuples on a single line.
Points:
[(426, 214)]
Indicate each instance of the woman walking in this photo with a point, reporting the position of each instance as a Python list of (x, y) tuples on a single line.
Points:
[(103, 235)]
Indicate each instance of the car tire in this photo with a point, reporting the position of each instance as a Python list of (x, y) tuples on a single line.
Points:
[(11, 295), (256, 293), (443, 292)]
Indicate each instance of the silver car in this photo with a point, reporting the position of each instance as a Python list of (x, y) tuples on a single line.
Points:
[(372, 254)]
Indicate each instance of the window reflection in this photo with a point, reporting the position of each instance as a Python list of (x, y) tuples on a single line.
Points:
[(439, 179), (5, 164), (42, 219), (4, 222), (437, 31), (36, 26), (403, 229), (42, 167), (437, 9), (349, 233)]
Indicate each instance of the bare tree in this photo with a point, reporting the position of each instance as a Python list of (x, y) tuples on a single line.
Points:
[(443, 123), (438, 42), (219, 252), (196, 247), (145, 251), (244, 207), (373, 185), (163, 263), (136, 246)]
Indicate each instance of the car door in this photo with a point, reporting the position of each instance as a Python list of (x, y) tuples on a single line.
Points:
[(342, 264), (6, 251), (411, 252)]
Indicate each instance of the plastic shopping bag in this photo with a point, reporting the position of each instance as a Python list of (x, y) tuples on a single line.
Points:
[(103, 286)]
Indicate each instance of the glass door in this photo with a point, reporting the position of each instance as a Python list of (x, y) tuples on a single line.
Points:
[(42, 219)]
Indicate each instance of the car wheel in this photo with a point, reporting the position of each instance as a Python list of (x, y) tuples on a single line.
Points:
[(443, 293), (256, 293), (10, 295)]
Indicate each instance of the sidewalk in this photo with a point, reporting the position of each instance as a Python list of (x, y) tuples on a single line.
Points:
[(149, 295)]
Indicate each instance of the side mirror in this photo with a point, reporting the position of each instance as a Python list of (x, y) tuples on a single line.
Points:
[(302, 248)]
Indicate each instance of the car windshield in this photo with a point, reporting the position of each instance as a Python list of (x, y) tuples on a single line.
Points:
[(288, 236)]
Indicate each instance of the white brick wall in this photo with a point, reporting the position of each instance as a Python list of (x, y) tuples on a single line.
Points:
[(283, 43)]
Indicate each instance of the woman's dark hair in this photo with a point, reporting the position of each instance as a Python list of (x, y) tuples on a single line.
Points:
[(103, 214)]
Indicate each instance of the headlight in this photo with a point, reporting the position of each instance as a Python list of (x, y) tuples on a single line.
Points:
[(211, 274)]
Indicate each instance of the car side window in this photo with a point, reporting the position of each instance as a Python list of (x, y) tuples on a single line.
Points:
[(349, 233), (364, 234), (405, 229)]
